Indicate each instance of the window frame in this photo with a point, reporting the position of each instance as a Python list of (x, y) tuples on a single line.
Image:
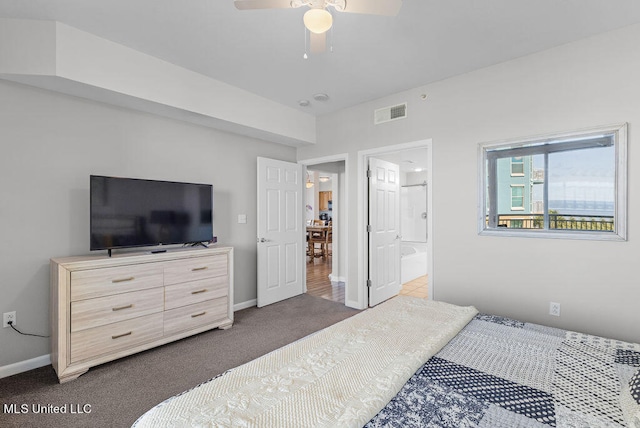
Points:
[(618, 134)]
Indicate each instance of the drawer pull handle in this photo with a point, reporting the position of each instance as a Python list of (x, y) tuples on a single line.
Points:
[(121, 335), (119, 308), (131, 278), (199, 268), (198, 315), (204, 290)]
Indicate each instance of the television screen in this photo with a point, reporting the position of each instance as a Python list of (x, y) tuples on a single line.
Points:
[(129, 212)]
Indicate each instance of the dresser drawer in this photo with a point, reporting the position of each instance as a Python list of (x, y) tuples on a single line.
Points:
[(178, 271), (113, 337), (119, 307), (192, 292), (86, 284), (192, 316)]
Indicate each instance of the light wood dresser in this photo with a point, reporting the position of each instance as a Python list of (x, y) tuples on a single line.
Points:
[(104, 308)]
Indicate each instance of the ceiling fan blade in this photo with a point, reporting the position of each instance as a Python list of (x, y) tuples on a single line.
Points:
[(263, 4), (373, 7), (317, 42)]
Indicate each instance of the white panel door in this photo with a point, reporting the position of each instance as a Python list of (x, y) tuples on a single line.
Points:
[(280, 231), (384, 235)]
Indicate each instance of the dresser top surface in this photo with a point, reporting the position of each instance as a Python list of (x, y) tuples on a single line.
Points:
[(103, 260)]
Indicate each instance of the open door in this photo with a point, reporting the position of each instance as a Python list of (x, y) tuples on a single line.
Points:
[(384, 231), (280, 231)]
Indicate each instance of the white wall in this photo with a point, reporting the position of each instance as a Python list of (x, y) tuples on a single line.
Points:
[(50, 143), (583, 84)]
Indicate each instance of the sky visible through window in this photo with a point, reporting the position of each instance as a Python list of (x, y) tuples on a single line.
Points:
[(581, 182)]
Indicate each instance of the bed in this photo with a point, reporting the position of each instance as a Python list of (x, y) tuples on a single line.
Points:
[(416, 363)]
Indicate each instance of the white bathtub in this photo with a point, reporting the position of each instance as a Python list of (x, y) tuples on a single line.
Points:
[(413, 262)]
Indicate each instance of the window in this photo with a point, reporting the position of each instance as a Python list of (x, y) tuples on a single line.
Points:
[(569, 185), (517, 166), (517, 197)]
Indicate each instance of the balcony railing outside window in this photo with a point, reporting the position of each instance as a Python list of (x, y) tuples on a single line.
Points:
[(558, 222)]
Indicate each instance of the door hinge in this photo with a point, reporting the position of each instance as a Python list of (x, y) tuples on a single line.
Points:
[(369, 283), (369, 173), (369, 228)]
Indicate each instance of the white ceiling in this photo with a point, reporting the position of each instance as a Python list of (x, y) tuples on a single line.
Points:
[(373, 56)]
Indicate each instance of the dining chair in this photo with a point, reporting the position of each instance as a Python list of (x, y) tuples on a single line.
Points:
[(328, 242), (319, 237)]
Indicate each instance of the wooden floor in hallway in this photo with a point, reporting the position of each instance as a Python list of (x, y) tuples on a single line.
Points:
[(318, 282)]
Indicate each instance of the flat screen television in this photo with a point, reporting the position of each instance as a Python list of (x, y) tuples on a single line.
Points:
[(131, 212)]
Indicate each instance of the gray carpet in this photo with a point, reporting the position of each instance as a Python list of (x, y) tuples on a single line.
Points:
[(120, 391)]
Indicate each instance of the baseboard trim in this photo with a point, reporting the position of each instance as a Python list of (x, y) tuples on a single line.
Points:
[(245, 305), (354, 304), (337, 279), (24, 366)]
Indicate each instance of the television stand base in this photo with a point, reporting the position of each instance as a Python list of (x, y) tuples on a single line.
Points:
[(158, 251), (197, 244)]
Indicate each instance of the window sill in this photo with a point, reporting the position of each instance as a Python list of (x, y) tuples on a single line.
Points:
[(553, 234)]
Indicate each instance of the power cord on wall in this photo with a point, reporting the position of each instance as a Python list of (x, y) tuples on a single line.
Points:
[(24, 334)]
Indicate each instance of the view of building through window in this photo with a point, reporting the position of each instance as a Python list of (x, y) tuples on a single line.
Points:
[(569, 184)]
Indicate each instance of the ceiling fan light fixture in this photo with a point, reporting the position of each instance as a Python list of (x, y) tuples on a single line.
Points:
[(317, 20)]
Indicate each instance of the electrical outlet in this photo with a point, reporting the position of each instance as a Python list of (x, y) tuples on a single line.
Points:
[(554, 309), (8, 317)]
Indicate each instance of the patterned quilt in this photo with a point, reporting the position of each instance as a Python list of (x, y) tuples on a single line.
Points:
[(502, 373), (402, 364)]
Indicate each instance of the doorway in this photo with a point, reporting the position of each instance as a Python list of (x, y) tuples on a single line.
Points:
[(413, 223), (325, 256), (414, 161), (413, 219)]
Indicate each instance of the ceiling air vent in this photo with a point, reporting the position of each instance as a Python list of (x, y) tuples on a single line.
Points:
[(387, 114)]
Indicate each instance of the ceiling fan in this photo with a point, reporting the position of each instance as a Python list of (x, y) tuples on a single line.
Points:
[(317, 19)]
